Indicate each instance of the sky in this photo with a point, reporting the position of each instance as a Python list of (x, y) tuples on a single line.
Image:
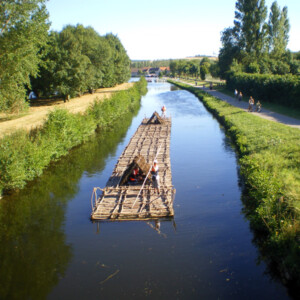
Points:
[(162, 29)]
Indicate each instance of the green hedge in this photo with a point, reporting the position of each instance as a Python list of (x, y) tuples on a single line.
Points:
[(24, 156), (280, 89), (269, 159)]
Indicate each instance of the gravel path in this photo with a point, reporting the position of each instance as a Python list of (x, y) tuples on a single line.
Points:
[(266, 114)]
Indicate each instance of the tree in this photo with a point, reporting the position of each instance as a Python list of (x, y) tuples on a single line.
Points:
[(120, 60), (229, 51), (193, 69), (204, 67), (78, 59), (173, 67), (250, 25), (214, 70), (23, 32), (278, 31)]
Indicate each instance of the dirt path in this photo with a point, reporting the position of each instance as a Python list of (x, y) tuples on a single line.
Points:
[(38, 114)]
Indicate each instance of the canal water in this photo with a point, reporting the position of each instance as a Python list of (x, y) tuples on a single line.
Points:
[(51, 250)]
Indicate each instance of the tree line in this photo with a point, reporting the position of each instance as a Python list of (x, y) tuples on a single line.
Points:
[(65, 64), (255, 44), (150, 63), (195, 68)]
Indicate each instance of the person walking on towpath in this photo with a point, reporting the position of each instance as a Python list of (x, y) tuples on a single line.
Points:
[(258, 106), (251, 104), (236, 93), (265, 114), (155, 176), (240, 96)]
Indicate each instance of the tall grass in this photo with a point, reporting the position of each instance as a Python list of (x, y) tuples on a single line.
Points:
[(269, 157), (24, 156)]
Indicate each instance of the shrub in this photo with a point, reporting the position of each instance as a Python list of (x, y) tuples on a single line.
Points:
[(281, 89), (23, 156)]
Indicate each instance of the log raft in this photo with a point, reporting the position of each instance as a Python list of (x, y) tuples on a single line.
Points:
[(122, 201)]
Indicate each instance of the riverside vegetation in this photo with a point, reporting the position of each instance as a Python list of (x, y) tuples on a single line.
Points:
[(269, 159), (22, 213), (24, 156)]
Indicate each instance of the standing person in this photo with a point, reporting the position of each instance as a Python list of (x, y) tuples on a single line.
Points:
[(252, 104), (155, 176), (211, 86), (163, 111), (250, 101), (236, 93), (240, 97)]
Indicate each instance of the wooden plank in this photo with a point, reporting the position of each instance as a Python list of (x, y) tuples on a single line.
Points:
[(124, 202)]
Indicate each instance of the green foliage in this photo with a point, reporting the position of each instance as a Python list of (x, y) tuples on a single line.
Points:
[(194, 68), (257, 46), (249, 25), (32, 220), (23, 33), (23, 156), (270, 161), (68, 63), (79, 60), (283, 90), (253, 68), (150, 63), (278, 29)]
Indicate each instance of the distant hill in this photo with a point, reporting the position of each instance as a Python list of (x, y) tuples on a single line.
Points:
[(201, 57)]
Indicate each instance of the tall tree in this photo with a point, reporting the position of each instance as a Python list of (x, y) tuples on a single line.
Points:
[(278, 31), (121, 61), (23, 32), (230, 50), (250, 26)]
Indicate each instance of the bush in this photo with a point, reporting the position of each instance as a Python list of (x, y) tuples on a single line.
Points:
[(23, 156), (284, 90)]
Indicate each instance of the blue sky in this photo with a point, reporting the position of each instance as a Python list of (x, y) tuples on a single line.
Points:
[(162, 29)]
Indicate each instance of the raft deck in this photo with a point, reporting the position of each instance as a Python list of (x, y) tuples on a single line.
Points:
[(139, 202)]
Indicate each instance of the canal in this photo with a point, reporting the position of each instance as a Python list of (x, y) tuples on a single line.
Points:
[(51, 250)]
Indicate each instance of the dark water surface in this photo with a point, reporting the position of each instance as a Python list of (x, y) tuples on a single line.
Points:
[(51, 250)]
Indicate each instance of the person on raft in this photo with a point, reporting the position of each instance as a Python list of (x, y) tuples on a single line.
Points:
[(155, 176), (135, 177)]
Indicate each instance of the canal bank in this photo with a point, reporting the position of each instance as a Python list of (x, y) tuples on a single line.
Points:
[(204, 252), (24, 155), (269, 154)]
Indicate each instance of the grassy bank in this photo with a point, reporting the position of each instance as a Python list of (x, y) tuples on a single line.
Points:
[(269, 158), (24, 156)]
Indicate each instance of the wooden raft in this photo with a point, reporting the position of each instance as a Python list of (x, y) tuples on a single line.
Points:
[(139, 202)]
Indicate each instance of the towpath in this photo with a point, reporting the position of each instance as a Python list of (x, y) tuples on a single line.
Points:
[(265, 113), (37, 115)]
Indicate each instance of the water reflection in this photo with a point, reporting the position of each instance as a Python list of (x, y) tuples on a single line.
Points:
[(34, 253), (206, 254)]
